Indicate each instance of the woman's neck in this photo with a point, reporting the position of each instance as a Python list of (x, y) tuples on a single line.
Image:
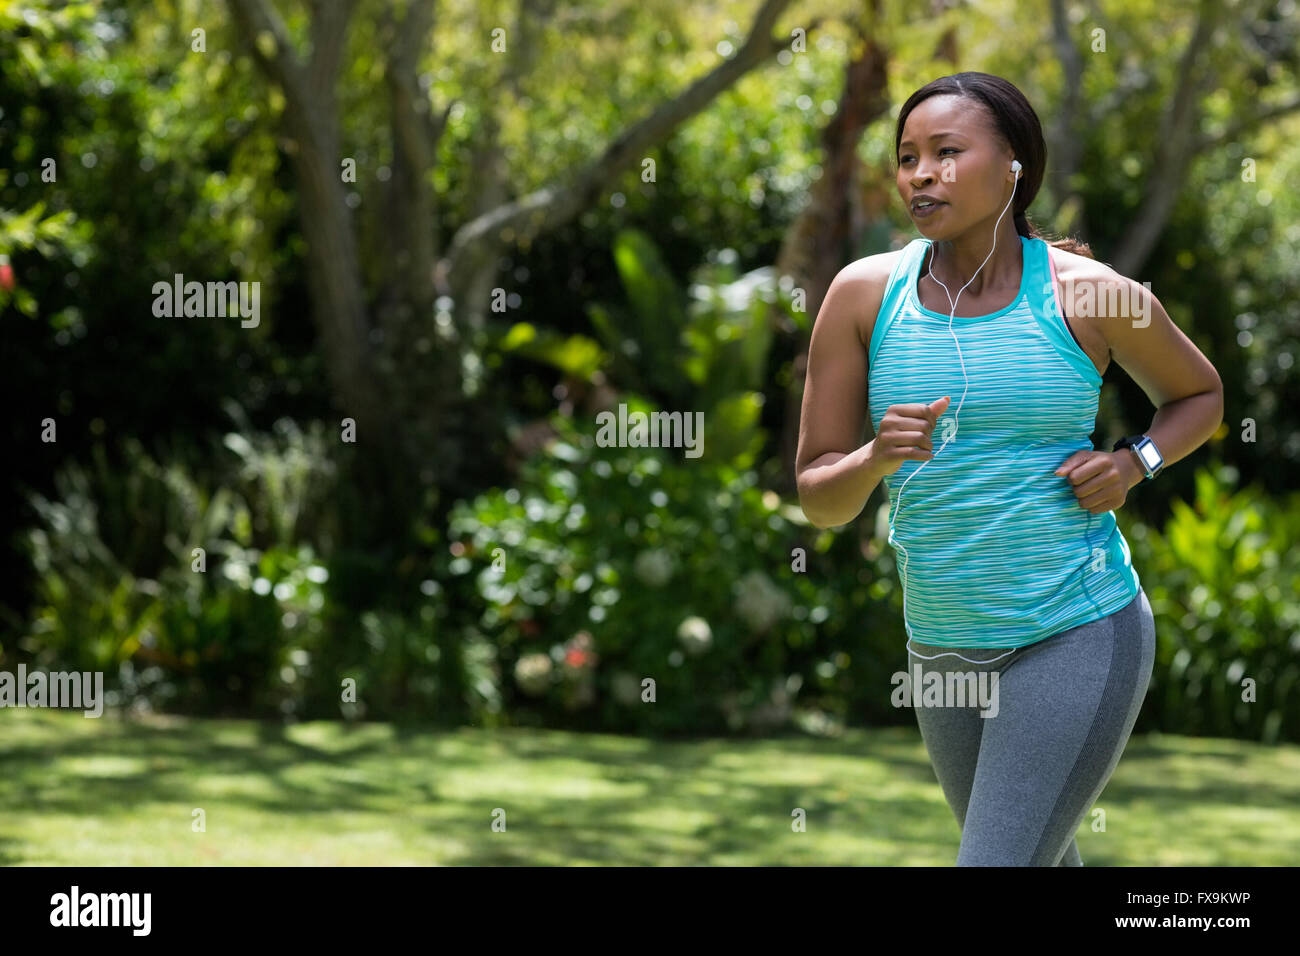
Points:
[(954, 262)]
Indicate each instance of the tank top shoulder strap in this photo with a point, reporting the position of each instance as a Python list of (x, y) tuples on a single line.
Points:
[(1044, 290), (901, 279)]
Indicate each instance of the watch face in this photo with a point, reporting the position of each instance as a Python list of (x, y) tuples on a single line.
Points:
[(1150, 455)]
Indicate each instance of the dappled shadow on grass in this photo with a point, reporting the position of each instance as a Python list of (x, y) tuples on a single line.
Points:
[(9, 852), (1177, 774), (567, 797), (42, 773), (325, 791), (708, 801)]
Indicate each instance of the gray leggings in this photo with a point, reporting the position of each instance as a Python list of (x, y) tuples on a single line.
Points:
[(1020, 782)]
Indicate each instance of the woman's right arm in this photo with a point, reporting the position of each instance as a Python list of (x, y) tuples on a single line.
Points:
[(835, 473)]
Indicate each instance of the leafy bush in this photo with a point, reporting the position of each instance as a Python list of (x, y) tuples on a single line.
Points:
[(705, 347), (608, 566), (1222, 579), (553, 601), (250, 625)]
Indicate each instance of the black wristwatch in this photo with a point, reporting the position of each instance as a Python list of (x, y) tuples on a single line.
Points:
[(1144, 449)]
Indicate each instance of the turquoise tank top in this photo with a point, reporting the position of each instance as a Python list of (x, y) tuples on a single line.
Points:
[(994, 550)]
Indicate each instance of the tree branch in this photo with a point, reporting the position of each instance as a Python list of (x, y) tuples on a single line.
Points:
[(556, 203), (490, 184), (270, 45), (1234, 131), (1062, 129), (416, 132), (409, 238), (329, 33), (1167, 171)]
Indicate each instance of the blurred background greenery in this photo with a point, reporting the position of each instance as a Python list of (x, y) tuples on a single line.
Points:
[(558, 207)]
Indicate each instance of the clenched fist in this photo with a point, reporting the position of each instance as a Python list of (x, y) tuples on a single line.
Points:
[(1100, 479), (904, 435)]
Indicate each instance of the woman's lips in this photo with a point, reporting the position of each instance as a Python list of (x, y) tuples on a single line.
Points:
[(922, 212)]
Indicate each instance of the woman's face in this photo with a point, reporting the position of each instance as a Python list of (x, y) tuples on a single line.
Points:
[(949, 152)]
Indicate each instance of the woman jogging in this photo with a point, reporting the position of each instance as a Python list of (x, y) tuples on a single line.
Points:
[(979, 351)]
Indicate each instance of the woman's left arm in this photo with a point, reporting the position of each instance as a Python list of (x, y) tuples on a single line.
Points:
[(1181, 382)]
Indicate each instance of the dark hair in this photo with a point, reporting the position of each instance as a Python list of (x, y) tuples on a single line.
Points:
[(1016, 124)]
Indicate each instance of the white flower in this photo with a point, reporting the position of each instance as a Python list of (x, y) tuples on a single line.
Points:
[(654, 567), (533, 674), (626, 688), (760, 602), (695, 634)]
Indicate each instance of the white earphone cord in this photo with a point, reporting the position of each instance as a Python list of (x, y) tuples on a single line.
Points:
[(1015, 167)]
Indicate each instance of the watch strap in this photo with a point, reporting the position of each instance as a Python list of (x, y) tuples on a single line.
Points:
[(1129, 442)]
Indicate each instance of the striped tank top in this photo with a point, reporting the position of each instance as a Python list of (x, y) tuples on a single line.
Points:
[(994, 550)]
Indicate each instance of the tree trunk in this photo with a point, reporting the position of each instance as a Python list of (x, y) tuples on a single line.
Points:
[(818, 243)]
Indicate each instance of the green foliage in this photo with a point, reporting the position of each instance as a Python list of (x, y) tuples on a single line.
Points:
[(576, 355), (175, 161), (692, 354), (614, 565), (644, 336), (1222, 579), (621, 564), (251, 625), (729, 333), (285, 478), (121, 588), (29, 30), (90, 613), (32, 229), (708, 354)]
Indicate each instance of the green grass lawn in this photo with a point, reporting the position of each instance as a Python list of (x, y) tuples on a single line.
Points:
[(117, 792)]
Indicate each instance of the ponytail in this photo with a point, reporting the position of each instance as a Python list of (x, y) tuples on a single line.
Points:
[(1027, 229)]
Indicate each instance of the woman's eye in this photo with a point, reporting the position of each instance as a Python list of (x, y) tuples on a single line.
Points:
[(903, 159)]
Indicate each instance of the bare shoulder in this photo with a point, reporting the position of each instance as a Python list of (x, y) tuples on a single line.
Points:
[(1089, 291), (863, 283), (1072, 267)]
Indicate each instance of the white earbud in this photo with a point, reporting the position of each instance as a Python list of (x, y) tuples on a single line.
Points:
[(1016, 167)]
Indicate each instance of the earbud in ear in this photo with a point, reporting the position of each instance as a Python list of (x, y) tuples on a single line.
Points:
[(1015, 166)]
